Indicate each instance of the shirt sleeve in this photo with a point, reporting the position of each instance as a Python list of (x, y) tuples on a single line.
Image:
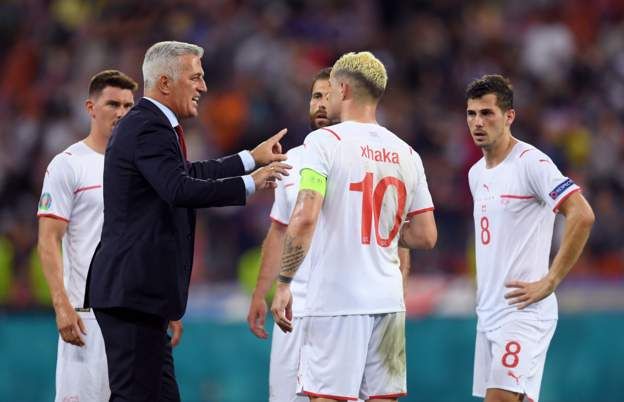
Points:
[(317, 153), (421, 197), (280, 212), (547, 182), (57, 194)]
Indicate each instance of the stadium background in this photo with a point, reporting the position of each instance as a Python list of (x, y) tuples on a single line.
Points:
[(565, 58)]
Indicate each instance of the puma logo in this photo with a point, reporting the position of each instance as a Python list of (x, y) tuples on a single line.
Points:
[(512, 375)]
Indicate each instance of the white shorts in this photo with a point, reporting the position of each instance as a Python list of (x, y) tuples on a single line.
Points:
[(82, 371), (285, 355), (351, 356), (512, 358)]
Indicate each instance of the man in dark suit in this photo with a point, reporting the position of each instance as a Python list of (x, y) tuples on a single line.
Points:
[(140, 272)]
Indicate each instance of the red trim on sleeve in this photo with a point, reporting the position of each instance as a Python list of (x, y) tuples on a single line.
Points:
[(517, 197), (60, 218), (288, 184), (87, 188), (525, 151), (338, 398), (68, 153), (419, 211), (544, 160), (389, 396), (331, 131), (565, 197), (278, 221)]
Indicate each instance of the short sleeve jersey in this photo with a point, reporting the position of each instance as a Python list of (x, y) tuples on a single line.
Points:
[(374, 182), (72, 192), (515, 204), (285, 199)]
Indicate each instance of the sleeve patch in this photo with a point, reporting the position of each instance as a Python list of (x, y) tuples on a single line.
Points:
[(560, 189), (45, 202)]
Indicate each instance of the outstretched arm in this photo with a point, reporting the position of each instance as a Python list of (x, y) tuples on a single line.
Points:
[(578, 223)]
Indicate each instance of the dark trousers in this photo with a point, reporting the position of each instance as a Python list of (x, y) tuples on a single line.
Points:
[(138, 351)]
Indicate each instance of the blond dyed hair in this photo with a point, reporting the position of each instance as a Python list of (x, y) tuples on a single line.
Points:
[(365, 69)]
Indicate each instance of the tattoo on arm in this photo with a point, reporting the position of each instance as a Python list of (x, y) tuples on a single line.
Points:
[(294, 252), (292, 257)]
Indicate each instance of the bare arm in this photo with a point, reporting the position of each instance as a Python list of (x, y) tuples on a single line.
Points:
[(269, 268), (51, 232), (578, 223), (404, 266), (419, 232), (296, 245)]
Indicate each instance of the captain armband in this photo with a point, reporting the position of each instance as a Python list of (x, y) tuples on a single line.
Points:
[(313, 180)]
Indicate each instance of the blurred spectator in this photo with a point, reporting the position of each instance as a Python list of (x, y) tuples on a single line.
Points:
[(566, 59)]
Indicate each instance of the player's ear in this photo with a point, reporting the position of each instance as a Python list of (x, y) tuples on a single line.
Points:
[(90, 105), (510, 116), (345, 89)]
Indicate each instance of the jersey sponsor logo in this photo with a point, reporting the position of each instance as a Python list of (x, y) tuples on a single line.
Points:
[(379, 155), (45, 202), (561, 188)]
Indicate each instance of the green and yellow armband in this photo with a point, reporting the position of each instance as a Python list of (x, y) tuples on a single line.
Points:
[(313, 180)]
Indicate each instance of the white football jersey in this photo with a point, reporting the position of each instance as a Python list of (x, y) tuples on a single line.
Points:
[(374, 182), (285, 199), (72, 191), (515, 204)]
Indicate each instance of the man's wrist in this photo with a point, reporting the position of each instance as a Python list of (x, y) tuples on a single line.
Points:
[(284, 279), (258, 295)]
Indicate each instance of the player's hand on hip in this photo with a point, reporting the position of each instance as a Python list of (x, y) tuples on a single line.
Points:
[(256, 317), (176, 328), (269, 150), (266, 177), (526, 293), (70, 325), (282, 307)]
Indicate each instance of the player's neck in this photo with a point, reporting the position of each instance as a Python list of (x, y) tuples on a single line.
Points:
[(96, 141), (496, 154), (359, 113)]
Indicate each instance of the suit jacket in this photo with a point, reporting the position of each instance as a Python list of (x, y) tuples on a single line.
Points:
[(145, 255)]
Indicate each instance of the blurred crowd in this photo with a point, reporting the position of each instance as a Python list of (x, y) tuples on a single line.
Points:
[(565, 59)]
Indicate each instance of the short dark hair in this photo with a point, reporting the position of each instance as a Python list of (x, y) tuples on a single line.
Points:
[(110, 78), (492, 84), (323, 74)]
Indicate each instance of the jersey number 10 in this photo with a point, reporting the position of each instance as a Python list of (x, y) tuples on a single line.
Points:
[(372, 199)]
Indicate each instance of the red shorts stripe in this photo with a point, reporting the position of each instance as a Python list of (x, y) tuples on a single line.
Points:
[(419, 211), (389, 396), (60, 218), (338, 398)]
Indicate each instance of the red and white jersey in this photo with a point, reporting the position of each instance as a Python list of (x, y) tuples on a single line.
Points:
[(515, 204), (374, 182), (285, 199), (72, 192)]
